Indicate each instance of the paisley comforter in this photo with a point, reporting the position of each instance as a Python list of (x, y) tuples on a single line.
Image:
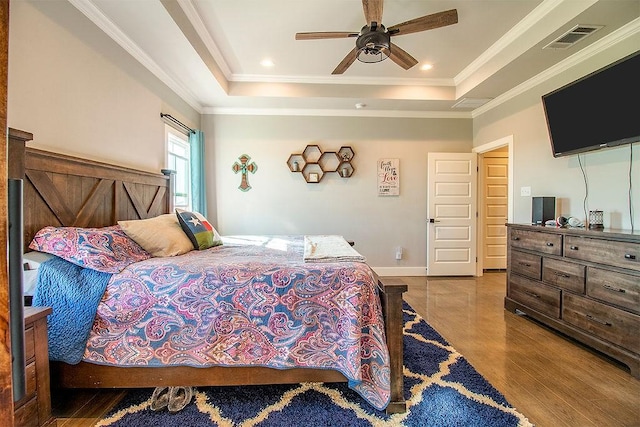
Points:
[(251, 302)]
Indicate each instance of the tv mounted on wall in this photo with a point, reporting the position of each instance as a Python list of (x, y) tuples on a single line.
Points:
[(597, 111)]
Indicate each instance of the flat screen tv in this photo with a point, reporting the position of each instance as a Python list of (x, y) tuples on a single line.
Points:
[(597, 111)]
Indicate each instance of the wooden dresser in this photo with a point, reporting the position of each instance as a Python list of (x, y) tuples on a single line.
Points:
[(583, 283), (35, 408)]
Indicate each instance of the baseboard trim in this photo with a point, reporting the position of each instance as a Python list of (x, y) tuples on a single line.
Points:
[(400, 271)]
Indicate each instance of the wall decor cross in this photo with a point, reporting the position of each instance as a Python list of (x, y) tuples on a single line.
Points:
[(244, 167)]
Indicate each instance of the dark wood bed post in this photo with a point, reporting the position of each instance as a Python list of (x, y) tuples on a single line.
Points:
[(391, 299), (17, 146), (172, 188)]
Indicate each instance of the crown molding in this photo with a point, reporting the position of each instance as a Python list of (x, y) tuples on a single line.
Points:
[(341, 80), (95, 15), (336, 113), (193, 15), (628, 30), (510, 37)]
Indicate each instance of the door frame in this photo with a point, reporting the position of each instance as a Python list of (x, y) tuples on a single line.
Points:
[(479, 150)]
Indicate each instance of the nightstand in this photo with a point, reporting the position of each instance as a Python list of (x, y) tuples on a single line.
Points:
[(34, 409)]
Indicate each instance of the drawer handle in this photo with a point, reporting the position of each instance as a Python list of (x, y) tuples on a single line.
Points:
[(562, 274), (515, 238), (611, 288), (573, 248), (526, 264), (533, 294), (602, 322), (629, 256), (549, 244)]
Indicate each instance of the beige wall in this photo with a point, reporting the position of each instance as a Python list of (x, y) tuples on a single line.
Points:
[(607, 171), (80, 93), (280, 202)]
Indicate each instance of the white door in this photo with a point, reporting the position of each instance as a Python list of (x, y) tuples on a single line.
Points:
[(451, 210), (495, 165)]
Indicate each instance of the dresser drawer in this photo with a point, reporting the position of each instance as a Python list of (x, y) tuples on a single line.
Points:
[(27, 414), (34, 409), (526, 264), (30, 385), (542, 298), (619, 254), (29, 344), (611, 324), (545, 243), (564, 274), (615, 288)]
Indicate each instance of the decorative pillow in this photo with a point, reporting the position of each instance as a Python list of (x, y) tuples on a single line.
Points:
[(160, 236), (105, 249), (198, 229)]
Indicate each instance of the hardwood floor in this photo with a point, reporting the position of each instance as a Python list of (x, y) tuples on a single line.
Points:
[(553, 380)]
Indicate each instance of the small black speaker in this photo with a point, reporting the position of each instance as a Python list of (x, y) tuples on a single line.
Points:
[(542, 210)]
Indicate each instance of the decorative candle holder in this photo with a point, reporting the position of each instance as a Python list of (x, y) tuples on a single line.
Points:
[(596, 219)]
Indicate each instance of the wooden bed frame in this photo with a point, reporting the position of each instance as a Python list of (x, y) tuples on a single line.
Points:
[(62, 190)]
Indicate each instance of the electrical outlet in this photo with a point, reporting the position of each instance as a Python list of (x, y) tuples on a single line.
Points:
[(525, 191), (399, 252)]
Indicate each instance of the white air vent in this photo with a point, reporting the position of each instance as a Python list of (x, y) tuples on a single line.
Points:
[(573, 36)]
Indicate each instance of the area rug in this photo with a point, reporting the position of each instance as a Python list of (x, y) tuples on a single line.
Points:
[(441, 388)]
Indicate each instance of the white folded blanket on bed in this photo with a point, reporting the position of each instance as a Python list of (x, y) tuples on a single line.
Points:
[(329, 249)]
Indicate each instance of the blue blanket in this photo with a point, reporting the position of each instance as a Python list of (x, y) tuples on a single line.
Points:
[(74, 294)]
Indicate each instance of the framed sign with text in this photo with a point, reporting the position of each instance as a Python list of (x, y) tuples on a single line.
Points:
[(388, 177)]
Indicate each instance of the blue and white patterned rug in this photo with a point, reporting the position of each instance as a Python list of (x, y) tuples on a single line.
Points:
[(441, 388)]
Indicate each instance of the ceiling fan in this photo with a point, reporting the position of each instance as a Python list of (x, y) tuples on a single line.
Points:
[(373, 43)]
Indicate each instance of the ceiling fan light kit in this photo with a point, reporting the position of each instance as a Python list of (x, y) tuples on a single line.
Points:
[(373, 42)]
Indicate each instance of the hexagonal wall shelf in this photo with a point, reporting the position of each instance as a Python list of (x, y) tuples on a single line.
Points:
[(346, 154), (296, 162), (329, 161), (312, 173), (313, 163), (311, 153)]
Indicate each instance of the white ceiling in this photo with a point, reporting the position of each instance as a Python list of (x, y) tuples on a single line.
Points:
[(209, 51)]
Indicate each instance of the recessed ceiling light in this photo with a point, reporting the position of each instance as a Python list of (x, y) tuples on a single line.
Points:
[(360, 105), (426, 67), (267, 63)]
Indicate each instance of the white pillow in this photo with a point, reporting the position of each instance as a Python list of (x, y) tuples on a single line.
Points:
[(31, 263)]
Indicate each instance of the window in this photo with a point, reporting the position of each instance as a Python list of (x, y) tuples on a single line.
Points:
[(179, 160)]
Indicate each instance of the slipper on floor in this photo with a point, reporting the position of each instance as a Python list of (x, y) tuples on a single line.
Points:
[(179, 397), (160, 398)]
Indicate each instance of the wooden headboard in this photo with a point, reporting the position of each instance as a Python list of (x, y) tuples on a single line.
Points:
[(63, 190)]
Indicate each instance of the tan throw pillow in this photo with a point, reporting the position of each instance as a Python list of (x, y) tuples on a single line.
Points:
[(160, 236)]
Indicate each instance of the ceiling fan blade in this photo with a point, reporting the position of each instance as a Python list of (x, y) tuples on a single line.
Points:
[(325, 35), (372, 11), (346, 62), (401, 57), (429, 22)]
